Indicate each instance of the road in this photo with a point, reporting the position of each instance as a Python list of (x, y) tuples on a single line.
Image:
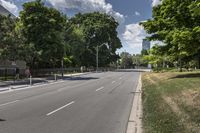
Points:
[(93, 103)]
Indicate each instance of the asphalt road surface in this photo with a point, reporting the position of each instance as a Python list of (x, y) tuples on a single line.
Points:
[(93, 103)]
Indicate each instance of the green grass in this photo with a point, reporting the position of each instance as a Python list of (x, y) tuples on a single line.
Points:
[(171, 102)]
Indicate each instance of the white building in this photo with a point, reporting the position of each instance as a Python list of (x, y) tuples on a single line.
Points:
[(5, 12)]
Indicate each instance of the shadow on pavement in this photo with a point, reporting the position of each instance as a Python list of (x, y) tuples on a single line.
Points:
[(80, 78), (132, 70), (2, 120), (42, 80)]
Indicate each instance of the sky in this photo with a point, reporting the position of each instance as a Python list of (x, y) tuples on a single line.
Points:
[(129, 13)]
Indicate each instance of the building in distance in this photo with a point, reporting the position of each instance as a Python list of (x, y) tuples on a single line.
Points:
[(146, 45)]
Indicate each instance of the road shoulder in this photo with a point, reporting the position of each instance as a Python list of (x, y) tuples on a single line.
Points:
[(135, 119)]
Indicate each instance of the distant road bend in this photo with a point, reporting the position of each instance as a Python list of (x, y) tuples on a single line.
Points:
[(92, 103)]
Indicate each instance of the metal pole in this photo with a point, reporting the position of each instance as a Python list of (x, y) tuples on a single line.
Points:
[(62, 68), (30, 80), (55, 77), (97, 59)]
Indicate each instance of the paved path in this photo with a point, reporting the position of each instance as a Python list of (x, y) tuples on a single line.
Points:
[(92, 103)]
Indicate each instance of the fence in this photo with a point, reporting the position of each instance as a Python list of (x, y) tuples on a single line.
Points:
[(9, 73)]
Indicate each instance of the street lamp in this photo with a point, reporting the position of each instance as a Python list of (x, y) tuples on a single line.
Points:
[(97, 55), (64, 54)]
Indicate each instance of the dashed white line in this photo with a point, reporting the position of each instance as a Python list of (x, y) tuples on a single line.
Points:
[(113, 82), (60, 108), (8, 103), (100, 88)]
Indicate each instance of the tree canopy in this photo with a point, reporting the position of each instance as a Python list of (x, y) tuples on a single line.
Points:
[(91, 30), (44, 37), (43, 29), (177, 24)]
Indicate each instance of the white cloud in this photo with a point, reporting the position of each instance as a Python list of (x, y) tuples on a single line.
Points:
[(133, 36), (88, 6), (137, 13), (156, 2), (10, 6)]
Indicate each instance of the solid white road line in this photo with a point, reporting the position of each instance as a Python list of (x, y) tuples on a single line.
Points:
[(100, 88), (60, 108), (8, 103), (113, 82)]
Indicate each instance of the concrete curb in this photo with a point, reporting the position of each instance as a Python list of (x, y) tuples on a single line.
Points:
[(12, 88), (135, 119)]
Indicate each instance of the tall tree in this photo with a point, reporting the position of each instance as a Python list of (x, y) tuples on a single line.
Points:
[(176, 23), (95, 29), (10, 43), (126, 60), (43, 29)]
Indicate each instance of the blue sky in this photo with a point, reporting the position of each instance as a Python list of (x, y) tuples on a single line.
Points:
[(127, 12)]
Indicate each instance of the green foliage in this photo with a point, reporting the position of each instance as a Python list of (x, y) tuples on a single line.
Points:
[(43, 29), (176, 23), (89, 31), (126, 60), (11, 45), (43, 37)]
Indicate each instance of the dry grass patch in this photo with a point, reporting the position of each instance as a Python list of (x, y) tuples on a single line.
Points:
[(171, 102)]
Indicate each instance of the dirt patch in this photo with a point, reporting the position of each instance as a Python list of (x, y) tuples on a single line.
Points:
[(172, 104), (184, 117), (191, 97), (150, 79)]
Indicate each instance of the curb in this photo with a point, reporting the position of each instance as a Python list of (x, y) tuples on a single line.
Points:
[(135, 119), (12, 88)]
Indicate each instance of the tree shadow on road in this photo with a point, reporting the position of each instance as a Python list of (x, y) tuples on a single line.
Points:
[(2, 120), (81, 78)]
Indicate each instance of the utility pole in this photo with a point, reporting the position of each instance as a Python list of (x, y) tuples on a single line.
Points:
[(97, 58), (62, 68), (97, 55)]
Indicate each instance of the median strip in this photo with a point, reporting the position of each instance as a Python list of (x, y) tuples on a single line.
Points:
[(60, 108)]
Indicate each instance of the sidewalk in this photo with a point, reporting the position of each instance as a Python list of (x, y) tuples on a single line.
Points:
[(12, 85)]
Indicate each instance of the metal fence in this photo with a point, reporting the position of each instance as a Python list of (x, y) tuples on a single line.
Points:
[(10, 73)]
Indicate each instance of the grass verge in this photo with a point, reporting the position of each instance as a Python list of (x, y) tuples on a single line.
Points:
[(171, 102)]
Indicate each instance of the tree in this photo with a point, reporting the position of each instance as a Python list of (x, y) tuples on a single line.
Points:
[(176, 23), (11, 44), (43, 30), (126, 60), (91, 30)]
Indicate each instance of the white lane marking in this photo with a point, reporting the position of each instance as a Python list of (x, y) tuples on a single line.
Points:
[(113, 82), (9, 103), (60, 108), (100, 88)]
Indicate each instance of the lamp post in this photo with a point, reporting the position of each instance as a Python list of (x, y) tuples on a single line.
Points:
[(62, 68), (97, 55)]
